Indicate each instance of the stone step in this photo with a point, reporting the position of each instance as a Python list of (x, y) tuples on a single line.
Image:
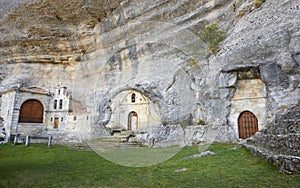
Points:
[(114, 139), (123, 133), (108, 146)]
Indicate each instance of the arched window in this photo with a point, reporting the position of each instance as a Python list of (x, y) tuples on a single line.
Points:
[(248, 124), (32, 111), (60, 104), (133, 98), (55, 104)]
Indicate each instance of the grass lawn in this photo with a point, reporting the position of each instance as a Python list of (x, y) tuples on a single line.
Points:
[(59, 166)]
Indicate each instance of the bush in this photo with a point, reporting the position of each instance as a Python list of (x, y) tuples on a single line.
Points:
[(200, 122), (258, 3), (212, 35)]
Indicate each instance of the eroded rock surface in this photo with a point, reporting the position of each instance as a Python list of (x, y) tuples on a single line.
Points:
[(100, 48)]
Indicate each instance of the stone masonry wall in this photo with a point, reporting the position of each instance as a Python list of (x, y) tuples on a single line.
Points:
[(279, 143), (249, 96)]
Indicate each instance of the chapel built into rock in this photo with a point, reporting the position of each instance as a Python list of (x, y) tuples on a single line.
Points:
[(152, 72)]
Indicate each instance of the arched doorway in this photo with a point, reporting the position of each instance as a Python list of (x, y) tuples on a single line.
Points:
[(132, 121), (32, 111), (248, 124)]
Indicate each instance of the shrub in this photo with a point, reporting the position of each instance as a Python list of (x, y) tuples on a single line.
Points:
[(200, 122), (212, 35), (240, 13), (258, 3)]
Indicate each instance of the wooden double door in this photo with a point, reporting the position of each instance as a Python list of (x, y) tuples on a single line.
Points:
[(248, 124), (31, 111)]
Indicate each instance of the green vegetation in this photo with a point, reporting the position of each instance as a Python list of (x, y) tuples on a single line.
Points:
[(200, 122), (38, 166), (212, 35), (258, 3)]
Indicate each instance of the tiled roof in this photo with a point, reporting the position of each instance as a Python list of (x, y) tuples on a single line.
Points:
[(35, 90)]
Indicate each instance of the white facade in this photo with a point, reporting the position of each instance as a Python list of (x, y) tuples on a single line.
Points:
[(53, 107), (58, 109), (133, 111)]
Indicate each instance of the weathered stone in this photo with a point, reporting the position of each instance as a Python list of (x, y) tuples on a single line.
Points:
[(101, 49), (270, 73), (202, 154), (227, 79)]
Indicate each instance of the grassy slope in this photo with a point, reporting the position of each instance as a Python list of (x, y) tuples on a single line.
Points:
[(38, 166)]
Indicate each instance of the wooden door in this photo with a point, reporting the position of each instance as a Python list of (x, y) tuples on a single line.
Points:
[(56, 122), (32, 111), (132, 121), (248, 124)]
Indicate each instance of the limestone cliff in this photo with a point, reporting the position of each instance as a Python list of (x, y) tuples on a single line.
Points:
[(101, 48), (113, 45)]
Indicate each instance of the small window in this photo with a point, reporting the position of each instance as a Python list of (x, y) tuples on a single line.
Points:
[(55, 104), (62, 119), (51, 119), (59, 92), (74, 118), (60, 103), (87, 117), (133, 98)]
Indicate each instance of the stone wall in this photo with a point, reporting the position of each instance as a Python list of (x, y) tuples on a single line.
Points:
[(260, 39), (7, 110), (170, 135), (103, 48), (250, 95), (279, 143)]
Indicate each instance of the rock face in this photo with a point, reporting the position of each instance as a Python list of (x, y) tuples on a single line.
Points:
[(102, 49)]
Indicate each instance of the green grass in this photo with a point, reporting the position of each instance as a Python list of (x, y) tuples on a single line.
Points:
[(59, 166), (140, 157)]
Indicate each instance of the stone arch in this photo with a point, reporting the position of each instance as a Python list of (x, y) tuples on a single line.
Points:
[(60, 104), (122, 107), (134, 97), (31, 111), (247, 124), (55, 104)]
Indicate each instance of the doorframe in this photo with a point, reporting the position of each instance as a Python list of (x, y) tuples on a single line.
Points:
[(56, 123), (239, 124), (130, 115)]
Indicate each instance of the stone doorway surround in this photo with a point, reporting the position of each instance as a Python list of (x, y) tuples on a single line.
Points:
[(133, 121), (247, 124), (56, 123), (250, 96)]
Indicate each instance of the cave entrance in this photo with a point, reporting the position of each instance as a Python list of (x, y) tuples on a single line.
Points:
[(132, 121), (248, 124)]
